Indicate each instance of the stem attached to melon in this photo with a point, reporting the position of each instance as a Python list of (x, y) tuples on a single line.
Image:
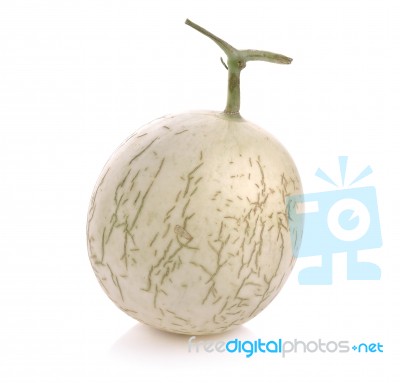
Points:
[(237, 60)]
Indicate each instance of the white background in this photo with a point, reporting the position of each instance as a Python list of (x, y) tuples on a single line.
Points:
[(78, 77)]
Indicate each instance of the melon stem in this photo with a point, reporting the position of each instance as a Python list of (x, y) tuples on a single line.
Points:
[(236, 61)]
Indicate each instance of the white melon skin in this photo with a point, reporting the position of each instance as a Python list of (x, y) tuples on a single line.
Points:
[(188, 228)]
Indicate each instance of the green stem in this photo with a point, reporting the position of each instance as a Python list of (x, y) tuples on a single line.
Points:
[(237, 60)]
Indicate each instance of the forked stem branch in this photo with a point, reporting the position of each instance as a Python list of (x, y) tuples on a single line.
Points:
[(237, 60)]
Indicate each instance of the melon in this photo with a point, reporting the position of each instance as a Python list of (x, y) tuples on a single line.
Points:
[(188, 226)]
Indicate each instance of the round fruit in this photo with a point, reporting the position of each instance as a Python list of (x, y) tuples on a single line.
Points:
[(188, 228)]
